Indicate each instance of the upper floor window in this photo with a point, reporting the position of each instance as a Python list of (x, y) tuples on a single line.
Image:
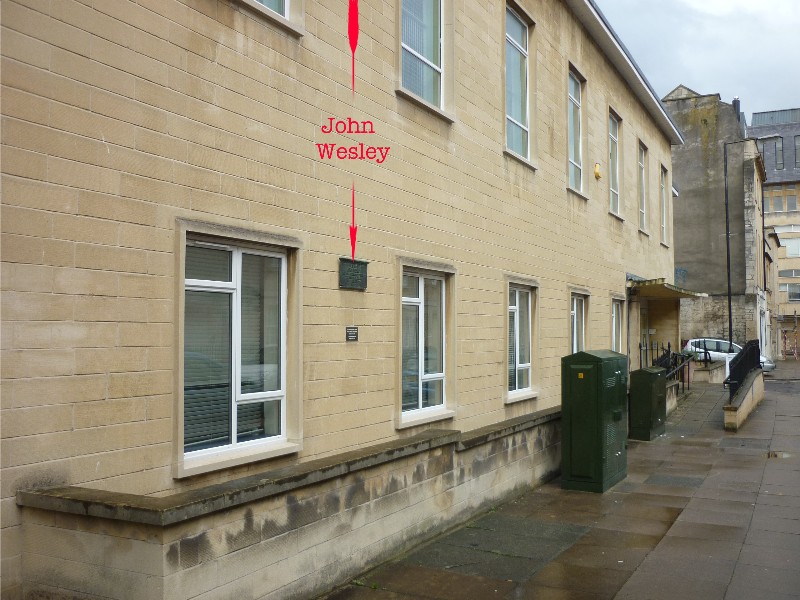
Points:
[(613, 162), (517, 129), (234, 390), (797, 152), (519, 339), (642, 186), (574, 131), (779, 153), (664, 205), (791, 203), (777, 204), (423, 341), (422, 49)]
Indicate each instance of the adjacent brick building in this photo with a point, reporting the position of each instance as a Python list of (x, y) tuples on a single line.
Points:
[(185, 413)]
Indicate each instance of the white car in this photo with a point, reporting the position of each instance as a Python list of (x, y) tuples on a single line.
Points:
[(720, 349)]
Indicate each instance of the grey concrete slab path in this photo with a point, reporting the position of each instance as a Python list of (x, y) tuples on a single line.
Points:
[(703, 514)]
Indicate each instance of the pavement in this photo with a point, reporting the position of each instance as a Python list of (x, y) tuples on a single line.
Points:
[(702, 514)]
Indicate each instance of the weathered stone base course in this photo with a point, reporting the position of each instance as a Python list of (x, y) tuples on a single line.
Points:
[(319, 528)]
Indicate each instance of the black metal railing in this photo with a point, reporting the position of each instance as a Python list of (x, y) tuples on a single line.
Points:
[(741, 365), (675, 363)]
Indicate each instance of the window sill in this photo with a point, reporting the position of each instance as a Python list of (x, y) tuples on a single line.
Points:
[(578, 194), (279, 20), (665, 244), (520, 159), (225, 459), (438, 112), (520, 396), (616, 216), (424, 416), (643, 232)]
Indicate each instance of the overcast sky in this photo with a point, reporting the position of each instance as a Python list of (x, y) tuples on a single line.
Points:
[(742, 48)]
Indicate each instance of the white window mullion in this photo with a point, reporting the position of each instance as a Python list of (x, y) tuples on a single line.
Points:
[(236, 339), (421, 338)]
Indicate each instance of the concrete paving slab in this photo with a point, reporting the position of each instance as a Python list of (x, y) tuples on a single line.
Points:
[(703, 514), (767, 579)]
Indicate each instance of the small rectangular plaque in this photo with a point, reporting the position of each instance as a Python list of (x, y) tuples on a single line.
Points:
[(351, 334), (352, 274)]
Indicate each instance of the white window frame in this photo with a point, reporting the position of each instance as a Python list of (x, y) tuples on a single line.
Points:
[(642, 170), (524, 126), (423, 377), (284, 14), (438, 68), (792, 247), (664, 206), (577, 338), (571, 100), (617, 312), (513, 307), (234, 288), (613, 163), (793, 290)]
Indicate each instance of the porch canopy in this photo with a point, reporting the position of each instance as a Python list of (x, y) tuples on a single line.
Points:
[(660, 289)]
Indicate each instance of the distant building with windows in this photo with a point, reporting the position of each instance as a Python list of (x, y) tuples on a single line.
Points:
[(717, 145), (777, 134), (204, 395)]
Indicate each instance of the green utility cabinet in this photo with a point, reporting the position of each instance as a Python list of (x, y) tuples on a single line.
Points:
[(593, 420), (648, 403)]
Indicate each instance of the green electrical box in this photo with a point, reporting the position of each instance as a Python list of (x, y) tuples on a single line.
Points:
[(593, 420), (648, 403)]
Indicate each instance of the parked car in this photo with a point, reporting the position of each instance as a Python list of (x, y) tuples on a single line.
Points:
[(721, 349)]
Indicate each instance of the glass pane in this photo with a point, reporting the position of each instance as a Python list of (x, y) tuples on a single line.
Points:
[(432, 393), (516, 84), (523, 378), (261, 323), (207, 370), (279, 6), (421, 28), (614, 202), (791, 203), (574, 88), (512, 351), (434, 327), (574, 133), (258, 420), (574, 177), (524, 328), (410, 373), (410, 286), (512, 298), (208, 264), (613, 167), (516, 29), (517, 139), (613, 127), (421, 79)]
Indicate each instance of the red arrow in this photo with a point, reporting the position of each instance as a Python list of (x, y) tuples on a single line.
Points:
[(352, 34), (353, 227)]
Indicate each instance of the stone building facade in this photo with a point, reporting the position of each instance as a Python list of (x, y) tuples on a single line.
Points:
[(717, 147), (186, 411), (778, 136)]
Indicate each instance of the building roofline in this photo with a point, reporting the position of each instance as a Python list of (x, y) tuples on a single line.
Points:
[(606, 38)]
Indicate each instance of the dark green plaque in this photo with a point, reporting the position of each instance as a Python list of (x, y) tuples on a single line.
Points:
[(352, 274)]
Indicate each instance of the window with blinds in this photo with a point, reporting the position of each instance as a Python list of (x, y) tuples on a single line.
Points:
[(422, 49), (234, 346), (519, 339)]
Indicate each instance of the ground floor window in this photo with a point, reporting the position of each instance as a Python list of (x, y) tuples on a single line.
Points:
[(519, 339), (577, 323), (616, 325), (234, 346), (423, 341)]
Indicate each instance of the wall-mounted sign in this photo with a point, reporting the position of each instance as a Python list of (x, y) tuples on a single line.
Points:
[(351, 334), (352, 274)]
